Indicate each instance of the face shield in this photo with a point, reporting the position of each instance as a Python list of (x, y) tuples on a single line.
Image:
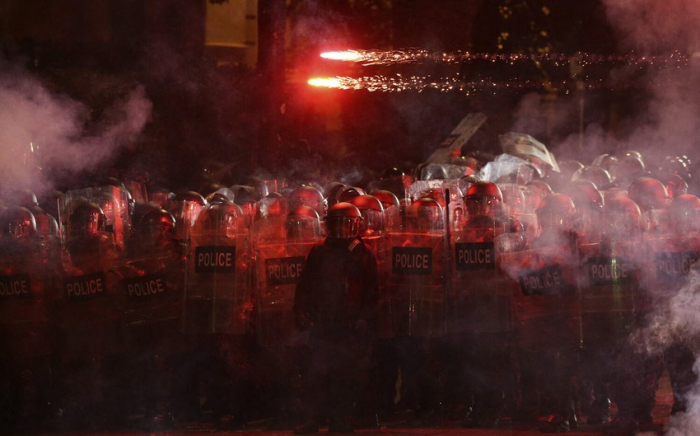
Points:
[(302, 228), (482, 205), (343, 227)]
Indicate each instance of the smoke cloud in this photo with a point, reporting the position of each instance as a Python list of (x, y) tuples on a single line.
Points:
[(668, 125), (654, 27), (661, 112), (47, 136)]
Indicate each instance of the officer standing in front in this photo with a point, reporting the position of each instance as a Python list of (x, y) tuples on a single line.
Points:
[(336, 300)]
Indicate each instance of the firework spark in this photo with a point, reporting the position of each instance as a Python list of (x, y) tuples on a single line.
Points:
[(399, 83), (389, 57)]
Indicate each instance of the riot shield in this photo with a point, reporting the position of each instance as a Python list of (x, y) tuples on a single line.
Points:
[(26, 324), (278, 268), (479, 292), (113, 201), (670, 261), (609, 290), (269, 230), (217, 284), (545, 298), (90, 306), (415, 285), (152, 287), (380, 248)]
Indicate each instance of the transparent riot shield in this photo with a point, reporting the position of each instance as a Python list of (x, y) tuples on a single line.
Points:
[(517, 206), (152, 287), (479, 292), (113, 201), (217, 284), (269, 230), (380, 247), (90, 306), (415, 287), (278, 268), (448, 192), (609, 290), (26, 323), (668, 265), (545, 298)]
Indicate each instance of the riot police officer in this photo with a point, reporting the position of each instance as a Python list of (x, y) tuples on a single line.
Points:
[(92, 360), (281, 346), (546, 310), (152, 282), (480, 328), (27, 339), (336, 300)]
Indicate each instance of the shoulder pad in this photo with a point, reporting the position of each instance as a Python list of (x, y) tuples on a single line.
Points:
[(355, 243)]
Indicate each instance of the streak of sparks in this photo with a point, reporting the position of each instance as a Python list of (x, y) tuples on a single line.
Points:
[(388, 57), (399, 83)]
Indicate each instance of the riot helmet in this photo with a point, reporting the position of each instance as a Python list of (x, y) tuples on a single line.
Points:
[(185, 207), (649, 193), (156, 226), (605, 161), (598, 175), (343, 221), (274, 204), (309, 196), (87, 220), (622, 217), (18, 222), (585, 195), (676, 165), (684, 213), (535, 191), (46, 225), (210, 188), (303, 224), (627, 169), (220, 219), (567, 168), (425, 214), (483, 199), (372, 212), (556, 212), (347, 193), (330, 191), (387, 198), (392, 173), (675, 185)]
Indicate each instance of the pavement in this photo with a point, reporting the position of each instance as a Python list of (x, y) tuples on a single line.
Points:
[(400, 427)]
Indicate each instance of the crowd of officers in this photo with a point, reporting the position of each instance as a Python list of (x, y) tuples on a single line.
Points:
[(533, 297)]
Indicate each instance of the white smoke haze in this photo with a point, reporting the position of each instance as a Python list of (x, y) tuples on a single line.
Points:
[(660, 27), (45, 129), (655, 26), (666, 120), (668, 126), (678, 320)]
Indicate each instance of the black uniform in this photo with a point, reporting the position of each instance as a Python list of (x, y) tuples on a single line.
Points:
[(336, 299)]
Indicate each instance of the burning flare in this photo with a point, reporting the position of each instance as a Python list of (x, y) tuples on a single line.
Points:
[(347, 55), (327, 82)]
